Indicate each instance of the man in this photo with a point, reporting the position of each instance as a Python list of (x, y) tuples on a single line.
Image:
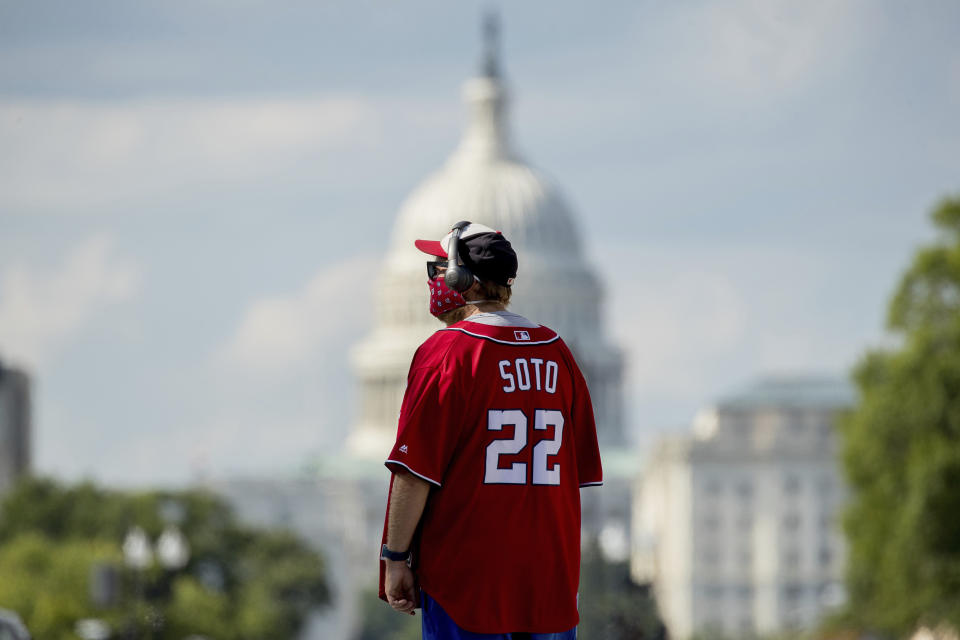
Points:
[(496, 436)]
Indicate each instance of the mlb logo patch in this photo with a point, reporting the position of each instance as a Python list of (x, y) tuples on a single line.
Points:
[(522, 335)]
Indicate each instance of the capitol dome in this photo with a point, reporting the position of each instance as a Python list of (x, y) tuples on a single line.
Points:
[(485, 181)]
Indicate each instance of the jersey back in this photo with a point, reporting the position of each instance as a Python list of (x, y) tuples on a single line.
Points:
[(499, 419)]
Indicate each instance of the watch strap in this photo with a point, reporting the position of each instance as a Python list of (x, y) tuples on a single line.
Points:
[(397, 556)]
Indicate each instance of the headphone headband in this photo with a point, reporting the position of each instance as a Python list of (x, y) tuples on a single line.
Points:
[(458, 277)]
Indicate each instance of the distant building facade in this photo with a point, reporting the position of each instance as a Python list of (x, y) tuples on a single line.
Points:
[(14, 426), (736, 526)]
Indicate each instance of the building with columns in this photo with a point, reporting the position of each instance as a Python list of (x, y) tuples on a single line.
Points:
[(736, 525)]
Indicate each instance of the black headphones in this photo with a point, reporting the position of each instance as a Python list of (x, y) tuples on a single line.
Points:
[(458, 277)]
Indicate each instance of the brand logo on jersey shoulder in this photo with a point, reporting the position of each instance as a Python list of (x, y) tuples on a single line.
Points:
[(403, 448), (521, 335)]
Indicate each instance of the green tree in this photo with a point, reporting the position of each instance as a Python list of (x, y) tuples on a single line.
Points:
[(901, 451), (612, 607), (240, 582), (46, 582)]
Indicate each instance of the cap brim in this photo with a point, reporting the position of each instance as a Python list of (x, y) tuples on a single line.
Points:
[(431, 247)]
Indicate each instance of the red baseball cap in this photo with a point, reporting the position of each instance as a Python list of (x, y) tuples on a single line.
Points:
[(483, 250)]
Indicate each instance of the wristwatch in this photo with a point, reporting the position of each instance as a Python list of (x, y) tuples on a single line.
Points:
[(396, 556)]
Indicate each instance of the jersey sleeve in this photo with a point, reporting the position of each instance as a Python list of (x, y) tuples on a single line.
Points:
[(589, 467), (429, 428)]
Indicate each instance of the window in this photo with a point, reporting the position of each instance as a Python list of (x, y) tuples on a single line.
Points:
[(792, 593), (791, 522), (825, 430), (831, 594), (791, 484), (795, 423), (745, 489), (713, 487), (825, 557), (711, 522), (825, 485), (710, 557)]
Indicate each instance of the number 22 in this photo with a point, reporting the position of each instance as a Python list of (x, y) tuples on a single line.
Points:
[(543, 473)]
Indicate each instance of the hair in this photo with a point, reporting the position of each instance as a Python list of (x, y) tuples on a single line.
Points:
[(453, 316), (489, 290)]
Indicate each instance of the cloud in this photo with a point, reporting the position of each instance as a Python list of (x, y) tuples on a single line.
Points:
[(697, 322), (280, 386), (41, 310), (233, 440), (77, 155), (224, 446), (685, 316), (754, 47), (278, 389), (277, 333)]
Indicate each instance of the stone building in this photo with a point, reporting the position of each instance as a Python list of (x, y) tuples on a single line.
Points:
[(736, 526)]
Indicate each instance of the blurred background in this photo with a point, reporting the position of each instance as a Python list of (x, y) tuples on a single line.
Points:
[(208, 293)]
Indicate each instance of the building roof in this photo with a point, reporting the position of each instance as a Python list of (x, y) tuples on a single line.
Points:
[(792, 391)]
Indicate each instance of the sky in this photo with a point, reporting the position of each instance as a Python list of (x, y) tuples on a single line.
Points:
[(195, 195)]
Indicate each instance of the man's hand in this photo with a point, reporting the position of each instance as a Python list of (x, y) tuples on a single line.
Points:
[(398, 584)]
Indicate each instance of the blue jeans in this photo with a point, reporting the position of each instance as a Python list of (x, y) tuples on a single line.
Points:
[(437, 625)]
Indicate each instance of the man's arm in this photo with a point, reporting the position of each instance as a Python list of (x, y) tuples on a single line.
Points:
[(407, 500)]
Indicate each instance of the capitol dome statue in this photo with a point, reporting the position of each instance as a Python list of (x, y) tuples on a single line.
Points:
[(485, 181)]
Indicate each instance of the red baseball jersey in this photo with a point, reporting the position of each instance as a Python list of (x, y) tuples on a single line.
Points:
[(498, 418)]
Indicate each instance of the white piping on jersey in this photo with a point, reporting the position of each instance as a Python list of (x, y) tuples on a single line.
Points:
[(592, 484), (555, 337), (414, 472), (502, 319)]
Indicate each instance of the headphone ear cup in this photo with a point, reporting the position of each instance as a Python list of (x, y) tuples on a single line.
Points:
[(458, 278)]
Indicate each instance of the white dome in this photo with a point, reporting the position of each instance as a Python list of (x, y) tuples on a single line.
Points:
[(484, 181)]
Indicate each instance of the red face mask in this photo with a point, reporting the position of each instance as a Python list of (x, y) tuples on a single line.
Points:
[(443, 298)]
